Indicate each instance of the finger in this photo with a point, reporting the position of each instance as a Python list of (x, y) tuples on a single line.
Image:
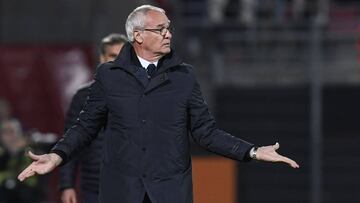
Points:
[(33, 156), (21, 176), (29, 174), (291, 162), (64, 198), (72, 196), (71, 199), (26, 173), (294, 164), (276, 146)]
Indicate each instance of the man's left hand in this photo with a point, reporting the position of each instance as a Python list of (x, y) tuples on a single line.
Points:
[(268, 153)]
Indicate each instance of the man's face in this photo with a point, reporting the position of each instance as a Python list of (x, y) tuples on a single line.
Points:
[(111, 52), (8, 134), (153, 41)]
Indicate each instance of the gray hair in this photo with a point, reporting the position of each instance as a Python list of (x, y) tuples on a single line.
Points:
[(111, 39), (136, 19)]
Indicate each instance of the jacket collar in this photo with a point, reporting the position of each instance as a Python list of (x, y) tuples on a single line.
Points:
[(128, 60)]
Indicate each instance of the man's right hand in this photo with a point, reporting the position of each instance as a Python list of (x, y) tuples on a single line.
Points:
[(68, 196), (41, 164)]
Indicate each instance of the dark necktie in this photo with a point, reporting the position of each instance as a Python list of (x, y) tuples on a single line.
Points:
[(142, 75), (151, 70)]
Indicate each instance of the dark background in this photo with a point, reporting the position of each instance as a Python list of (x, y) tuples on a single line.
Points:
[(279, 77)]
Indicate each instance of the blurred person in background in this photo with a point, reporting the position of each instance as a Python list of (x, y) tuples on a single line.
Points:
[(250, 12), (243, 10), (149, 102), (5, 110), (13, 145), (90, 159)]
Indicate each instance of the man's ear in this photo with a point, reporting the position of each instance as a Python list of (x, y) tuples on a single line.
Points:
[(137, 37)]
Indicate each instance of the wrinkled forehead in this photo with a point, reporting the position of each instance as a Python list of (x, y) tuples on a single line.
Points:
[(156, 19)]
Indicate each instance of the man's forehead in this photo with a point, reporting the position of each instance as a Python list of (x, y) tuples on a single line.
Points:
[(156, 18)]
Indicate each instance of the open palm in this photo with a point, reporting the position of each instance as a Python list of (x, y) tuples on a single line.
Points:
[(268, 153), (41, 164)]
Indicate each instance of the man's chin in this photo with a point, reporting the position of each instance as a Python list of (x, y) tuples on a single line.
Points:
[(165, 51)]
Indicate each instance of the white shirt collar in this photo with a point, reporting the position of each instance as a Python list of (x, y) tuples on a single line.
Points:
[(145, 63)]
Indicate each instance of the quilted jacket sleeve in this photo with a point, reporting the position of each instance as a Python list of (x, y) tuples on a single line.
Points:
[(205, 132), (90, 121)]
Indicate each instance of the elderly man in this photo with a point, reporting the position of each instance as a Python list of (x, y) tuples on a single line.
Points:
[(149, 101)]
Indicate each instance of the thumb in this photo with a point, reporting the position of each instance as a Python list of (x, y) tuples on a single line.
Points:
[(276, 146), (33, 156)]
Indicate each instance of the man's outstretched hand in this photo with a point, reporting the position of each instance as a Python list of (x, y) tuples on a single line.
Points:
[(41, 164), (268, 153)]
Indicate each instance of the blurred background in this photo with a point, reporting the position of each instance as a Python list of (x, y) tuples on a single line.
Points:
[(271, 70)]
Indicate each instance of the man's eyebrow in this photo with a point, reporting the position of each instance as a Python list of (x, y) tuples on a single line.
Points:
[(163, 24)]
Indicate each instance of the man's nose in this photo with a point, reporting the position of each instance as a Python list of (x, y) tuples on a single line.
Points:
[(168, 34)]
